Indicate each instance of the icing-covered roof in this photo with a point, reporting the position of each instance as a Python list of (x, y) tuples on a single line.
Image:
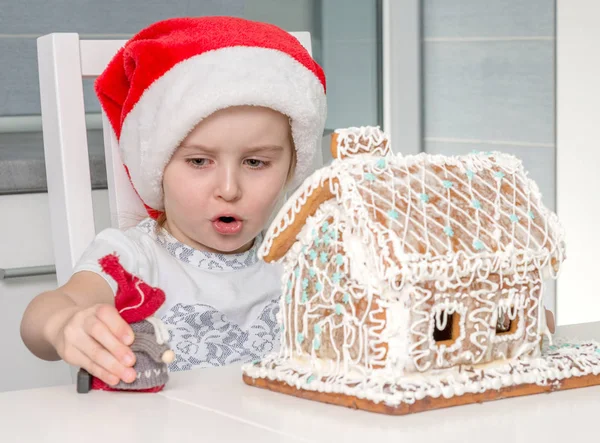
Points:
[(432, 215)]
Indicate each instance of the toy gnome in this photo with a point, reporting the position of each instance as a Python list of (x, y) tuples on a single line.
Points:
[(137, 302)]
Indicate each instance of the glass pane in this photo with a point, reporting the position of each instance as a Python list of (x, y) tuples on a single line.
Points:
[(346, 42), (489, 84), (489, 81)]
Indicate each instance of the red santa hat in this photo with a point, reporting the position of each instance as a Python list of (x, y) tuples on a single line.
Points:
[(135, 300), (176, 72)]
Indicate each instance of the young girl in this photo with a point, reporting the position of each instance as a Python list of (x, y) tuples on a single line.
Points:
[(215, 116)]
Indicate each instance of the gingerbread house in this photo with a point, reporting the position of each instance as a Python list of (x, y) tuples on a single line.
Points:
[(400, 268)]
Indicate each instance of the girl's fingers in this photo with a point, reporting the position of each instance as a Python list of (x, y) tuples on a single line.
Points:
[(115, 323), (100, 332), (93, 368), (101, 358)]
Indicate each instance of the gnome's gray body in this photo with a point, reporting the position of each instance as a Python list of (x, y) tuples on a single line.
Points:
[(151, 370)]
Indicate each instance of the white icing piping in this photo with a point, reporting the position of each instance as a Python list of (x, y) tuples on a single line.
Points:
[(364, 139), (383, 386), (378, 263), (400, 261)]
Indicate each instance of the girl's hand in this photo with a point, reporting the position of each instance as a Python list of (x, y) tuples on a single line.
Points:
[(97, 339)]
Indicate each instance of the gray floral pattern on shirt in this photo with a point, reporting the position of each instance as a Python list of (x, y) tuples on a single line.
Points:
[(203, 336), (202, 259)]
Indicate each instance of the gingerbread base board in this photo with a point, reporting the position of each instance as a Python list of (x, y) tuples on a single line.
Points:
[(427, 403), (560, 367)]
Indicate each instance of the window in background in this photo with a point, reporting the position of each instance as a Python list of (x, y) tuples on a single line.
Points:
[(345, 37), (489, 84)]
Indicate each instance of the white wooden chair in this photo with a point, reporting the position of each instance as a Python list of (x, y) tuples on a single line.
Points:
[(63, 61)]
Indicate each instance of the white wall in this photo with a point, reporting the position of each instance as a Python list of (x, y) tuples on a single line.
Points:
[(578, 158)]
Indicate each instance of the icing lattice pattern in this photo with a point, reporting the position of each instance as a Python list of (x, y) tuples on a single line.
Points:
[(435, 217), (558, 362)]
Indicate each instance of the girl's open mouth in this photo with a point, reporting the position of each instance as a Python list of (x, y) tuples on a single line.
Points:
[(227, 225)]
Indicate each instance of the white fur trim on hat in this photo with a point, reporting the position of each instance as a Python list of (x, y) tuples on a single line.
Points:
[(197, 87)]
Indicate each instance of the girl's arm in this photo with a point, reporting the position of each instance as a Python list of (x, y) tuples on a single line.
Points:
[(79, 323)]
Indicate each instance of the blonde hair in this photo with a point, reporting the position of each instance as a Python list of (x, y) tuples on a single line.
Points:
[(161, 219)]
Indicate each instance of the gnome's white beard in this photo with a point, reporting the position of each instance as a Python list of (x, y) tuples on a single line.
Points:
[(162, 333)]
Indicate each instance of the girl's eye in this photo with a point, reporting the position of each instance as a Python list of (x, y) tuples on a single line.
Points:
[(256, 164), (197, 162)]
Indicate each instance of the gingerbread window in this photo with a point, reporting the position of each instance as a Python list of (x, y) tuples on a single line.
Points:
[(446, 327), (508, 321)]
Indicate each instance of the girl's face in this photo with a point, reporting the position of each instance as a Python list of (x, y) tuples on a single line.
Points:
[(223, 182)]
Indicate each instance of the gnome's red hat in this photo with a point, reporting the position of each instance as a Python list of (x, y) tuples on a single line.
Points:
[(176, 72), (135, 300)]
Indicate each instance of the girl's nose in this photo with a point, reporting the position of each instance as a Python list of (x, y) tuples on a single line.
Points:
[(228, 186)]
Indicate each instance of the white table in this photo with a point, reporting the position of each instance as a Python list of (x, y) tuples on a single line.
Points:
[(214, 405)]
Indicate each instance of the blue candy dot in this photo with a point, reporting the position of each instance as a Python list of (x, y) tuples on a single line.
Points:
[(297, 272), (312, 272), (304, 283), (531, 215), (476, 203), (499, 175), (336, 277), (447, 184), (424, 198), (339, 309), (514, 218), (478, 244), (312, 254), (316, 344), (381, 163), (346, 298), (470, 174), (300, 337), (370, 177), (288, 299), (448, 231), (289, 284), (339, 259), (393, 214), (326, 239), (311, 379), (317, 329), (318, 286), (304, 299), (323, 257), (325, 226)]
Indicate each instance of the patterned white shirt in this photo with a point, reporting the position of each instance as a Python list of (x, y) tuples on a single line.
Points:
[(220, 308)]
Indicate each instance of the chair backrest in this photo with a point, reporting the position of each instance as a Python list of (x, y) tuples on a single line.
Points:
[(64, 60)]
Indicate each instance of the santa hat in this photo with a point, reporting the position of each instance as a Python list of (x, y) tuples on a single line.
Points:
[(135, 300), (176, 72)]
